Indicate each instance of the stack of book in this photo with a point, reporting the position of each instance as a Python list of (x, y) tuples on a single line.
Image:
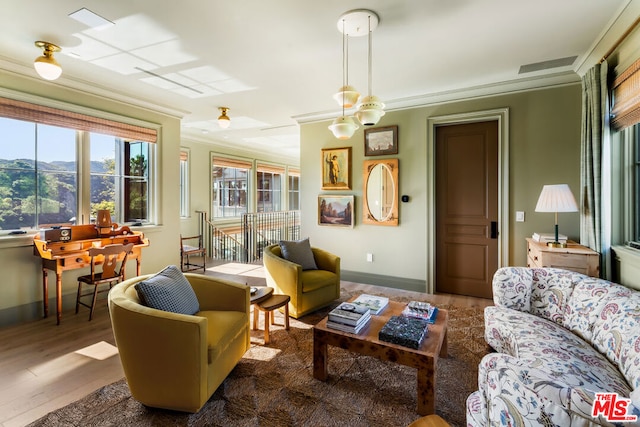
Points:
[(421, 310), (548, 237), (375, 304), (349, 317)]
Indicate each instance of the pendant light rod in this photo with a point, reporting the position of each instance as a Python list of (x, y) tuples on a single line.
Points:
[(370, 55)]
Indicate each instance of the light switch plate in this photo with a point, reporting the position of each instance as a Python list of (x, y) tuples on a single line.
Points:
[(519, 216)]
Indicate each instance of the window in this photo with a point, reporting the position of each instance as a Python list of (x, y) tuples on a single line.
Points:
[(230, 182), (184, 184), (294, 189), (269, 188), (41, 168)]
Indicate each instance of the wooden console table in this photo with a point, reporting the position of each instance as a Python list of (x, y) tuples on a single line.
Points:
[(74, 254), (574, 257)]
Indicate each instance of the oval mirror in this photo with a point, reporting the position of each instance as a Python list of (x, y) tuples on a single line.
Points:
[(381, 192)]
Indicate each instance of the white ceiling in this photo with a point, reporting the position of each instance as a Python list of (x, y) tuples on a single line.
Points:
[(276, 63)]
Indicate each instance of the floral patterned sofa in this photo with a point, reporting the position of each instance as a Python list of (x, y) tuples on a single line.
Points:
[(559, 337)]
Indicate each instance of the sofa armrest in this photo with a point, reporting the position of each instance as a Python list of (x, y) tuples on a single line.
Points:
[(513, 392), (326, 260), (512, 288), (219, 295), (283, 274)]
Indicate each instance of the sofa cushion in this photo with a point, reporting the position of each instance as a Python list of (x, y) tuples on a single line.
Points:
[(588, 298), (299, 252), (316, 279), (550, 347), (550, 291), (512, 287), (169, 290), (228, 325)]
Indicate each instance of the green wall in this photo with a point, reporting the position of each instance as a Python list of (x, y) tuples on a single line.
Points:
[(21, 287), (544, 148)]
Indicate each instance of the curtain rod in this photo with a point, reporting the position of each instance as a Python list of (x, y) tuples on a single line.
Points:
[(620, 40)]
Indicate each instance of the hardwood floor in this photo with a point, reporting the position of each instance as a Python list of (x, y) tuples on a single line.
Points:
[(44, 367)]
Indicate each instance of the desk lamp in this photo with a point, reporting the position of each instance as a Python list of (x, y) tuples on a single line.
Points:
[(556, 198)]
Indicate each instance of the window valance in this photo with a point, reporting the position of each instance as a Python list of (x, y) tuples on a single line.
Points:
[(21, 110)]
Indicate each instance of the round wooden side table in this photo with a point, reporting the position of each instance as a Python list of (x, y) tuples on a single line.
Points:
[(268, 306)]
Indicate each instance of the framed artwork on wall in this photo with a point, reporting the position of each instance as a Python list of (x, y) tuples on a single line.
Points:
[(335, 211), (336, 168), (381, 141)]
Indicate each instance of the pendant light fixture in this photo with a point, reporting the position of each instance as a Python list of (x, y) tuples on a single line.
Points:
[(344, 127), (46, 66), (223, 120), (348, 95), (370, 109)]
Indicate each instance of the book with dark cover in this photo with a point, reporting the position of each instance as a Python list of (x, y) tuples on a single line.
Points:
[(406, 331), (349, 314)]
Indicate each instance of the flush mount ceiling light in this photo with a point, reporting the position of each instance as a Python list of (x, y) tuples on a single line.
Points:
[(224, 121), (46, 66), (370, 109)]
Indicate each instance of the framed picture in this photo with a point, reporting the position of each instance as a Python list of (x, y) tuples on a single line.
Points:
[(335, 211), (381, 141), (336, 168)]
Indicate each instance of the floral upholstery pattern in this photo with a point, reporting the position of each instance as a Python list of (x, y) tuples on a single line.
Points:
[(560, 337)]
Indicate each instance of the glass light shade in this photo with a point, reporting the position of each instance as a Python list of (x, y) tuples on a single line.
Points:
[(347, 96), (47, 68), (224, 121), (370, 110), (343, 127)]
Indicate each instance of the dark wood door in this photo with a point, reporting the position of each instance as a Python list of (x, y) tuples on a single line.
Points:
[(466, 208)]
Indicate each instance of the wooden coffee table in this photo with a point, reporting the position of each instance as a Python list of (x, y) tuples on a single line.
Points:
[(366, 342)]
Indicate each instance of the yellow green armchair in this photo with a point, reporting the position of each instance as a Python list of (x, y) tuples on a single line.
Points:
[(177, 361), (309, 289)]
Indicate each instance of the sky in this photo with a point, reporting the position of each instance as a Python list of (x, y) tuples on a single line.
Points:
[(54, 143)]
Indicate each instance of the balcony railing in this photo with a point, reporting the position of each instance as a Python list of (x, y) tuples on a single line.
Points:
[(246, 241)]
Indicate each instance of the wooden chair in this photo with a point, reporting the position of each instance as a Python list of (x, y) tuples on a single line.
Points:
[(113, 259), (188, 250)]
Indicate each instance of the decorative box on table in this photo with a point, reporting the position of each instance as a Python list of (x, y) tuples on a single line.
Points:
[(406, 331)]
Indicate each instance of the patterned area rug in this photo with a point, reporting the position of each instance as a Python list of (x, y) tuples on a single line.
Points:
[(273, 385)]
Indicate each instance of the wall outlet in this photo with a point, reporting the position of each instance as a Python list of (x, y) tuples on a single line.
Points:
[(519, 216), (369, 257)]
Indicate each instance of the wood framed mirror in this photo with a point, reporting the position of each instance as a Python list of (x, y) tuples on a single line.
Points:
[(380, 192)]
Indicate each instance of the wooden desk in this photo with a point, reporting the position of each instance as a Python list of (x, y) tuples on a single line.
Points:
[(74, 254)]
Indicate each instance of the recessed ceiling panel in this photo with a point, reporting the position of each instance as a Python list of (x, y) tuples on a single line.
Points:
[(165, 54)]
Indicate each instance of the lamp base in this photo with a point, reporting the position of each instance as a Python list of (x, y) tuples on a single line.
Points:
[(556, 245)]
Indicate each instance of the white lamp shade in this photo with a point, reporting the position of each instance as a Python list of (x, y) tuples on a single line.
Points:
[(343, 127), (347, 96), (556, 198), (370, 110), (47, 68)]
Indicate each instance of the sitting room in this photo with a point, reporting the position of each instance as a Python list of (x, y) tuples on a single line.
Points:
[(197, 201)]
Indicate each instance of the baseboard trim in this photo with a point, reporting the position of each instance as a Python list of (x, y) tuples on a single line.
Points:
[(387, 281), (12, 316)]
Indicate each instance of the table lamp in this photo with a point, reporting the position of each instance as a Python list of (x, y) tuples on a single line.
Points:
[(556, 198)]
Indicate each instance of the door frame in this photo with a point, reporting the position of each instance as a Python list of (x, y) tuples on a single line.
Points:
[(502, 116)]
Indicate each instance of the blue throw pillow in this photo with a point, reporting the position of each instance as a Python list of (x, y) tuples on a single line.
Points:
[(298, 251), (170, 291)]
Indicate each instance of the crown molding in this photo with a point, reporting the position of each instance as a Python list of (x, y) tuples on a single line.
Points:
[(463, 94)]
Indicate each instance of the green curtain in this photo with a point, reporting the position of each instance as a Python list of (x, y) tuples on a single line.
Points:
[(594, 121)]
